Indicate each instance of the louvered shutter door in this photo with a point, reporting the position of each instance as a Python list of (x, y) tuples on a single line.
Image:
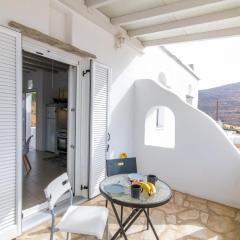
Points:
[(100, 75), (10, 132)]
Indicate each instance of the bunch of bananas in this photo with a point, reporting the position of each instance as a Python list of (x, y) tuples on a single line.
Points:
[(147, 187)]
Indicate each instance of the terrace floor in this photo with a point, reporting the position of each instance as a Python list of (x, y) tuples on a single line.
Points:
[(184, 218)]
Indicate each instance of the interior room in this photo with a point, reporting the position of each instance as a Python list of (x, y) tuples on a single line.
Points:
[(45, 123)]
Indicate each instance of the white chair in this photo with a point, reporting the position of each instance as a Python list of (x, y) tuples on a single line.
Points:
[(89, 220)]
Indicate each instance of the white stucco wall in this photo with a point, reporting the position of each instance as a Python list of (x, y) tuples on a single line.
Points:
[(203, 162)]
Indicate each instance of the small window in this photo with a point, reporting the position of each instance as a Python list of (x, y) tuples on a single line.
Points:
[(160, 127)]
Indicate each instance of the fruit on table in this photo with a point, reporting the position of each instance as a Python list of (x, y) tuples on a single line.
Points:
[(153, 188), (146, 187)]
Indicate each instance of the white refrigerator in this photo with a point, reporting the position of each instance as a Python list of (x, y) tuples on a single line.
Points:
[(51, 129)]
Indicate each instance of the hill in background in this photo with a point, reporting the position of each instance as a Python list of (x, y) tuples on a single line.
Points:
[(228, 97)]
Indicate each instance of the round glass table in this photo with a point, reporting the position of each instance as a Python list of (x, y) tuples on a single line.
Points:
[(123, 198)]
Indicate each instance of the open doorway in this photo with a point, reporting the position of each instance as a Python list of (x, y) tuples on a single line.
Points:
[(46, 119)]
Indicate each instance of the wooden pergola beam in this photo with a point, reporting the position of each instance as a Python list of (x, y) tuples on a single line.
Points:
[(188, 22), (194, 37), (42, 37), (98, 3), (171, 8)]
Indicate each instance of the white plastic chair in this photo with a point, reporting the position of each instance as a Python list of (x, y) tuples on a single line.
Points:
[(89, 220)]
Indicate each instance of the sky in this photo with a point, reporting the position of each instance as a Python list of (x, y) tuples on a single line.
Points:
[(216, 62)]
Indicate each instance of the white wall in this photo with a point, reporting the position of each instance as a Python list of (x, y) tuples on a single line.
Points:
[(30, 12), (203, 163)]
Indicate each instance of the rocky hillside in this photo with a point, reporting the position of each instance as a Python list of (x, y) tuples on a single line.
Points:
[(228, 97)]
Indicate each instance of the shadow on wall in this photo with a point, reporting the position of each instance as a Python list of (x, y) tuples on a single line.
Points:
[(122, 125), (203, 163)]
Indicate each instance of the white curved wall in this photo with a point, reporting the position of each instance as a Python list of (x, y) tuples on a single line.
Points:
[(203, 163)]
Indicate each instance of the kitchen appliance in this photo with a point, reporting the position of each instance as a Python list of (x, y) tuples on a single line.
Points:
[(51, 129), (62, 140)]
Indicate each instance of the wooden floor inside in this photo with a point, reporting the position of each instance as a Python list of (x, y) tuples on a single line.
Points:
[(184, 218)]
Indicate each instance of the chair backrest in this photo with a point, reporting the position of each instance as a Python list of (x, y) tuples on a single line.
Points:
[(26, 145), (118, 166), (57, 188)]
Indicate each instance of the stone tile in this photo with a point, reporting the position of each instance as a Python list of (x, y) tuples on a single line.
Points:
[(170, 234), (179, 198), (171, 219), (204, 218), (237, 218), (189, 215), (220, 224), (221, 209), (199, 206), (234, 235), (171, 208), (186, 204), (172, 222), (197, 231), (157, 217), (196, 199)]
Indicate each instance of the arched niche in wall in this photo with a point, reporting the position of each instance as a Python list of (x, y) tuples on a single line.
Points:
[(160, 127)]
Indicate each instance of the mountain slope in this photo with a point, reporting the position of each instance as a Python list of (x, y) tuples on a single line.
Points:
[(228, 97)]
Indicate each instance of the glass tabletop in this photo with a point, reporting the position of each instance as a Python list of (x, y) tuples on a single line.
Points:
[(163, 193)]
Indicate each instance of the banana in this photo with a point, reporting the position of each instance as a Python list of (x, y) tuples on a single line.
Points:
[(146, 187), (153, 188)]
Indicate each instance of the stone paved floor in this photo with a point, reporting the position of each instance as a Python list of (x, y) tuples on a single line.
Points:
[(184, 218)]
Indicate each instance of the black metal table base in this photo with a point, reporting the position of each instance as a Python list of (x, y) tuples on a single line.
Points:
[(124, 226)]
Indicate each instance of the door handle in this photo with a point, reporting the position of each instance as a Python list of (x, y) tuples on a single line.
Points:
[(108, 137)]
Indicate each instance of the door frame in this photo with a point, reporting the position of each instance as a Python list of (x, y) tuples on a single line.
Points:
[(42, 49)]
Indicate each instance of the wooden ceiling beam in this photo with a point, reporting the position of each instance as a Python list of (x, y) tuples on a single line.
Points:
[(97, 3), (231, 32), (188, 22), (171, 8)]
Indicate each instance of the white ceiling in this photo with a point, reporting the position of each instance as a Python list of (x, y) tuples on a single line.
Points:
[(123, 7), (157, 22)]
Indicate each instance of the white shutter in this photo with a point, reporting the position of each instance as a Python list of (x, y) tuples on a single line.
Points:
[(10, 132), (100, 75)]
